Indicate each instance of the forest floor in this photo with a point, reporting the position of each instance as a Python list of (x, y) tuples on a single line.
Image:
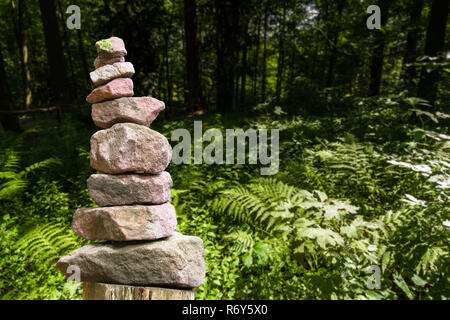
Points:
[(358, 210)]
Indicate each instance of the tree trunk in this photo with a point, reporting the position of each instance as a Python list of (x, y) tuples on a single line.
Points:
[(168, 77), (281, 54), (55, 56), (410, 56), (333, 56), (102, 291), (227, 26), (109, 24), (255, 60), (73, 78), (83, 56), (22, 42), (264, 80), (8, 121), (242, 97), (379, 44), (196, 96), (435, 44)]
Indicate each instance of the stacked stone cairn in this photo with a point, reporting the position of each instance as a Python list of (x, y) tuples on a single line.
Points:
[(134, 221)]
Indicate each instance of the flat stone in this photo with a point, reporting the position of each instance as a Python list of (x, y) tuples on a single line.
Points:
[(117, 88), (174, 262), (139, 110), (110, 48), (110, 72), (100, 62), (125, 223), (129, 147), (127, 189)]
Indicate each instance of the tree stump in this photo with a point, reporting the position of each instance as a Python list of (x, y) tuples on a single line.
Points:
[(103, 291)]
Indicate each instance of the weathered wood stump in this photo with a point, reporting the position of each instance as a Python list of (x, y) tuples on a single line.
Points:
[(102, 291)]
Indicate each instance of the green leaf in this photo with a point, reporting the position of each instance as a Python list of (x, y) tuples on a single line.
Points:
[(400, 282), (321, 195), (248, 260), (418, 281)]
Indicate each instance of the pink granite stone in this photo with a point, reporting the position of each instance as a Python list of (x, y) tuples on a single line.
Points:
[(139, 110), (117, 88), (128, 189), (110, 72), (129, 147), (125, 223)]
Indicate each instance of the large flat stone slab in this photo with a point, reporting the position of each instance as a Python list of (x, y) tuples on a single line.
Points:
[(117, 88), (174, 262), (125, 223), (129, 147), (139, 110), (128, 189), (110, 72)]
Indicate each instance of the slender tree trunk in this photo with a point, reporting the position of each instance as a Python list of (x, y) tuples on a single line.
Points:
[(435, 44), (242, 97), (168, 77), (109, 24), (410, 56), (281, 54), (255, 59), (334, 53), (21, 30), (83, 57), (66, 41), (161, 92), (315, 57), (379, 44), (8, 121), (293, 57), (55, 56), (196, 96), (227, 26), (264, 80)]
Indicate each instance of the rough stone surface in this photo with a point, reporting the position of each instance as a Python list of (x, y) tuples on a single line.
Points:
[(117, 88), (139, 110), (110, 48), (174, 262), (129, 147), (110, 72), (125, 223), (100, 62), (103, 291), (127, 189)]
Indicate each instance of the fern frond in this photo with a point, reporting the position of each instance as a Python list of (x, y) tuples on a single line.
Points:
[(242, 240), (47, 243)]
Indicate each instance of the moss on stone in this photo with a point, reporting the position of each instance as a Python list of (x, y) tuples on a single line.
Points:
[(104, 44)]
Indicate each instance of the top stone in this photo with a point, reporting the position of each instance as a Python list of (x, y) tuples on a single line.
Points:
[(111, 48)]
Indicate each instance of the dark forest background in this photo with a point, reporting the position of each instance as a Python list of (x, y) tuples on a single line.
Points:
[(224, 56), (364, 145)]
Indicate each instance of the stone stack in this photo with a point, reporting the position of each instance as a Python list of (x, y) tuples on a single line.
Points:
[(134, 220)]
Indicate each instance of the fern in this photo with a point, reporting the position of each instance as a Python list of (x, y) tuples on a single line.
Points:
[(47, 243), (309, 223), (346, 158), (242, 240), (13, 179)]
